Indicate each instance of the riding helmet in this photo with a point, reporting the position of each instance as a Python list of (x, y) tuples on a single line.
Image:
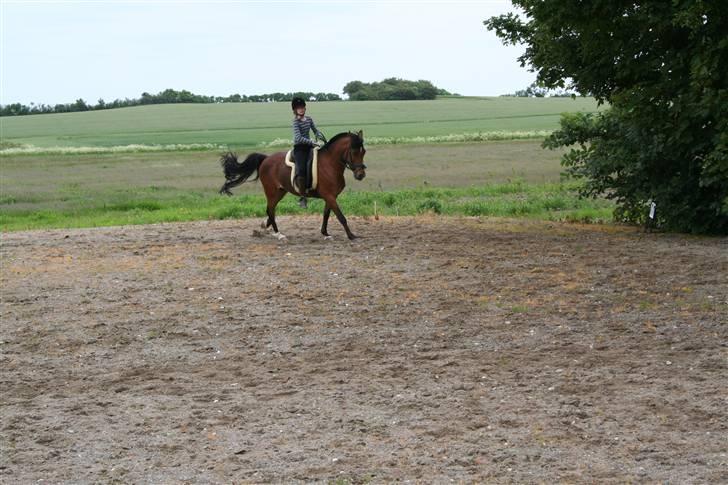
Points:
[(298, 103)]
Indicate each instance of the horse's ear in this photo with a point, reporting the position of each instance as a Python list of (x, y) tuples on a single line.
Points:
[(361, 134)]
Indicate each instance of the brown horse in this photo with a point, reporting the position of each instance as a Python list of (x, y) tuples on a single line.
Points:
[(345, 150)]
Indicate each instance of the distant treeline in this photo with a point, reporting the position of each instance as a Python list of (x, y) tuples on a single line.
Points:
[(389, 89), (536, 91), (165, 97), (392, 89)]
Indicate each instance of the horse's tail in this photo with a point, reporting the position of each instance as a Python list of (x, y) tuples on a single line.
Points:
[(235, 172)]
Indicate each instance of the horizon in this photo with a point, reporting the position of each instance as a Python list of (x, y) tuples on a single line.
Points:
[(344, 97)]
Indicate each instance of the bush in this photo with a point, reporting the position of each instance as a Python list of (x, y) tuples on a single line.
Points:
[(636, 164)]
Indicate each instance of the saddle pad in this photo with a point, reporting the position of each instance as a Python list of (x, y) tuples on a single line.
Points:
[(314, 167)]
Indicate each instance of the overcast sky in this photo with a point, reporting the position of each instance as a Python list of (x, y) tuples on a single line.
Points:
[(59, 51)]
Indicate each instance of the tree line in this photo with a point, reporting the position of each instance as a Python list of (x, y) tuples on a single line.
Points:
[(533, 90), (164, 97), (393, 89), (389, 89)]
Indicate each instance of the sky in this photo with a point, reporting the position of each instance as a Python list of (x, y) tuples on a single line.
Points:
[(59, 51)]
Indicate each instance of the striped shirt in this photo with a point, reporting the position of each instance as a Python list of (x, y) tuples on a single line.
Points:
[(301, 129)]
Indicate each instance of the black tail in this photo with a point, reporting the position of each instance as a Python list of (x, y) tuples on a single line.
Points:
[(235, 172)]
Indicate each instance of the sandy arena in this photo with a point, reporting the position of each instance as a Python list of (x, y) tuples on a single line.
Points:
[(432, 349)]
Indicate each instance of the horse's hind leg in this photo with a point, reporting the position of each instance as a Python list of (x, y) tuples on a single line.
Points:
[(273, 196)]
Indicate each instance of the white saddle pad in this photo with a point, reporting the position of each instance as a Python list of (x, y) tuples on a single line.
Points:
[(314, 167)]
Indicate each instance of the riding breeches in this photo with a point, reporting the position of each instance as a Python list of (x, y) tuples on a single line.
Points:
[(301, 153)]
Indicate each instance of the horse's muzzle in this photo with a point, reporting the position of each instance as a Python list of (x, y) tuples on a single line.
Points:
[(360, 174)]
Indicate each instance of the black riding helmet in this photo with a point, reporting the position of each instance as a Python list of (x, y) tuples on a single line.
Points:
[(298, 103)]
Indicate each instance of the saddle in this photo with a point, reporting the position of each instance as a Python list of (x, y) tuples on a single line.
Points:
[(312, 164)]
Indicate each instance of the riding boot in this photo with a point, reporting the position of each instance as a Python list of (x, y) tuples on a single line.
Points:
[(300, 184)]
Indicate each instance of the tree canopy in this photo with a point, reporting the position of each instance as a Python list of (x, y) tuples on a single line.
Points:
[(392, 89), (662, 66)]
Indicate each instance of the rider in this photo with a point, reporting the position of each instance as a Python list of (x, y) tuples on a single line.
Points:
[(302, 143)]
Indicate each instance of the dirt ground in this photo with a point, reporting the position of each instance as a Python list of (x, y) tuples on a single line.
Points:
[(433, 349)]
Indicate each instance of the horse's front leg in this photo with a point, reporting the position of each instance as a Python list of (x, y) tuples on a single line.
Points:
[(332, 205), (325, 224)]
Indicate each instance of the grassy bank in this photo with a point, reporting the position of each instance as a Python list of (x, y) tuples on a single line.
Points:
[(155, 205)]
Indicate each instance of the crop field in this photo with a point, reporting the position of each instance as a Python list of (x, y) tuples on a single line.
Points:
[(250, 124)]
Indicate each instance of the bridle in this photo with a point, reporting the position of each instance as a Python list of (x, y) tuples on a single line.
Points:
[(348, 163)]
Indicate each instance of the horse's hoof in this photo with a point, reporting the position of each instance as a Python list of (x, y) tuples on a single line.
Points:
[(328, 238), (280, 236)]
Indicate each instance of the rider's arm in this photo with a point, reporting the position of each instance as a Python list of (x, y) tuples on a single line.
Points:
[(299, 137), (319, 135)]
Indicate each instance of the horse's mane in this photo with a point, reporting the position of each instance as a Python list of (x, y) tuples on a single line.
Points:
[(356, 140)]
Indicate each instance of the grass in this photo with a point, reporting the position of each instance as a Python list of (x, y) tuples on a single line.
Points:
[(252, 124), (514, 179), (120, 207), (51, 181), (15, 149)]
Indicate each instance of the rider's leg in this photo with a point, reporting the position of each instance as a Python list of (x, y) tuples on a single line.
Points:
[(300, 154)]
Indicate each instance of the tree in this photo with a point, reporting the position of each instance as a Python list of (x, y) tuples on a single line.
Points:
[(80, 105), (392, 89), (353, 87), (662, 66)]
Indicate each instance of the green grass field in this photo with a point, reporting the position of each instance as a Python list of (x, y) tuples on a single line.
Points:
[(251, 124), (503, 178)]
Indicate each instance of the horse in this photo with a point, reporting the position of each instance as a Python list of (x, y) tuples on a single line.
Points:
[(345, 150)]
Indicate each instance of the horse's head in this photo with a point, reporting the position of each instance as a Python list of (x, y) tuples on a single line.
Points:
[(357, 152), (349, 149)]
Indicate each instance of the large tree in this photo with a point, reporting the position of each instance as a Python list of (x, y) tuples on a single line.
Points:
[(662, 67), (392, 89)]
